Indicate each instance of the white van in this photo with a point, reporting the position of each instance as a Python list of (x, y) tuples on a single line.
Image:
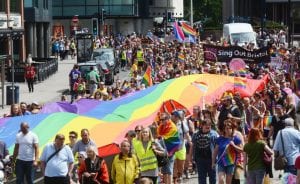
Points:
[(239, 33)]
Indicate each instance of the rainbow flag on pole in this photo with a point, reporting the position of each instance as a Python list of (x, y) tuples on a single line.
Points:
[(147, 79), (187, 29), (267, 121), (201, 85), (179, 35), (229, 157), (240, 82), (170, 135)]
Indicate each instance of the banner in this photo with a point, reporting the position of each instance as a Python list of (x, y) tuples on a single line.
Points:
[(226, 54)]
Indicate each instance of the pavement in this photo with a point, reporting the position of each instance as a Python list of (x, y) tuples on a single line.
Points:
[(49, 90)]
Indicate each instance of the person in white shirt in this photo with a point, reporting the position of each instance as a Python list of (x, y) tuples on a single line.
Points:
[(26, 153)]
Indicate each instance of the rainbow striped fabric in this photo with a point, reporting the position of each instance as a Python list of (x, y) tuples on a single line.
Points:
[(179, 35), (181, 57), (170, 135), (229, 157), (240, 82), (147, 79), (267, 121), (187, 29), (201, 85)]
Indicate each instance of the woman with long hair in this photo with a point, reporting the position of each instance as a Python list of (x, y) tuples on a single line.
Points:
[(254, 151), (146, 149), (227, 147), (94, 169), (125, 166)]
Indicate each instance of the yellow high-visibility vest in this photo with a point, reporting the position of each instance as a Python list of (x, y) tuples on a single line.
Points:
[(146, 157), (139, 56)]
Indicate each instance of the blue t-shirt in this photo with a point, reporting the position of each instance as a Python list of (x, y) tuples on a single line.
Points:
[(74, 74), (227, 158)]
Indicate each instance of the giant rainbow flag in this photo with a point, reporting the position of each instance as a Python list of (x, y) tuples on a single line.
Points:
[(108, 121)]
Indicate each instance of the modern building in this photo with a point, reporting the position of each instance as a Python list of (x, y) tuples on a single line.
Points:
[(276, 10), (120, 16), (12, 29), (38, 17)]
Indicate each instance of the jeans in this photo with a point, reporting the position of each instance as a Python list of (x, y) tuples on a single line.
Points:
[(30, 82), (255, 176), (24, 168), (290, 169), (56, 180), (204, 169)]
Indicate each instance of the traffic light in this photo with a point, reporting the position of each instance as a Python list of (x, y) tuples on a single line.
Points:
[(169, 17), (103, 15), (95, 26)]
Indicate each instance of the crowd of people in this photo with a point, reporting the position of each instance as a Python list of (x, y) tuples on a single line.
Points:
[(222, 140)]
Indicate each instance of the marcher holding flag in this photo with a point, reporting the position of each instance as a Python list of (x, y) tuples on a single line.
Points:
[(226, 151)]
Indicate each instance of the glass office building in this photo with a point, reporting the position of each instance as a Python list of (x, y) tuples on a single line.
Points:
[(121, 16)]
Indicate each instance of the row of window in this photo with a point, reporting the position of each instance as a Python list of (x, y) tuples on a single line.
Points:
[(15, 6), (154, 13), (84, 11), (92, 2), (37, 3)]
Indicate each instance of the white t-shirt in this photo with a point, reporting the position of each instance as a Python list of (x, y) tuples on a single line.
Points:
[(26, 146)]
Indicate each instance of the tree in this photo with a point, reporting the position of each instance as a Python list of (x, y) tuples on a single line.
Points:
[(208, 11)]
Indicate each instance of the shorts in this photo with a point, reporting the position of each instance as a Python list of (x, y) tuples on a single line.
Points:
[(226, 169), (181, 154), (168, 169)]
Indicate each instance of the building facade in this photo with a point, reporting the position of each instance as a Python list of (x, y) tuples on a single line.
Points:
[(275, 10), (121, 16), (12, 29), (38, 17)]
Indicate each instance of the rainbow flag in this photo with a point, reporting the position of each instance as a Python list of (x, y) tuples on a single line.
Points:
[(187, 29), (170, 135), (229, 157), (181, 57), (240, 82), (179, 35), (147, 79), (267, 121), (201, 85)]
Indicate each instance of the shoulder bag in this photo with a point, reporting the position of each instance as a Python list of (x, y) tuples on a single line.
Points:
[(280, 161), (53, 154)]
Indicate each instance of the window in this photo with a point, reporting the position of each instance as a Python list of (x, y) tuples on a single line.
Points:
[(3, 6), (92, 2), (15, 6), (74, 2), (57, 2)]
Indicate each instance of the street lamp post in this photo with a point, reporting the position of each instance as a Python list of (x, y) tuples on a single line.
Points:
[(192, 16), (12, 65)]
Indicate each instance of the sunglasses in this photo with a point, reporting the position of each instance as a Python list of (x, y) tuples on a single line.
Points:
[(72, 137), (137, 130)]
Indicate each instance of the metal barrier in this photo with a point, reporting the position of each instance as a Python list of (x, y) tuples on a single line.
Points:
[(44, 67)]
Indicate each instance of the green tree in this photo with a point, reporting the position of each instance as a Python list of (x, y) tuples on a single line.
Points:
[(208, 11)]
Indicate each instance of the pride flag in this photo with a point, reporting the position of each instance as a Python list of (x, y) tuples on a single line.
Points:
[(187, 29), (170, 135), (229, 156), (267, 121), (201, 85), (179, 35), (147, 79), (240, 82), (181, 57)]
